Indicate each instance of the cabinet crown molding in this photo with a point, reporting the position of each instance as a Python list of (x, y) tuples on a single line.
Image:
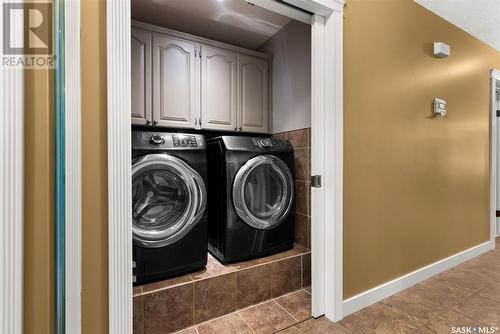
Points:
[(198, 39)]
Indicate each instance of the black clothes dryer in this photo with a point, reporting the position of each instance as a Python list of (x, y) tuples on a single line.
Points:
[(169, 220), (250, 197)]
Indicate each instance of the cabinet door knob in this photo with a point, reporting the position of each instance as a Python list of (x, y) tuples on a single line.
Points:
[(236, 129), (148, 122), (241, 128), (155, 122)]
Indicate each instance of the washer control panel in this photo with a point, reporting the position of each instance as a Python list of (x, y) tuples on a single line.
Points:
[(184, 141), (147, 140)]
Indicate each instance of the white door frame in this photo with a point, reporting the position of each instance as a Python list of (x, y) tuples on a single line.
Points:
[(494, 84), (327, 160), (73, 166)]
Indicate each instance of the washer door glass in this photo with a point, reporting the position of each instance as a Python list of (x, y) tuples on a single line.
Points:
[(263, 192), (168, 199)]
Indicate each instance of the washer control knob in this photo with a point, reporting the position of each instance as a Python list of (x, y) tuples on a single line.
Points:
[(156, 140)]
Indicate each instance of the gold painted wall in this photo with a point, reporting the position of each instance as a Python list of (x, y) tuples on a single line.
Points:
[(94, 169), (38, 291), (416, 188)]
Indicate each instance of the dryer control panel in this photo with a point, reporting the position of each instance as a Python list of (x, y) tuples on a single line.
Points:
[(256, 144), (147, 140), (272, 144)]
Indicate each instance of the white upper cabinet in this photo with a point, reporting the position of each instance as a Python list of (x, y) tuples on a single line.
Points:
[(253, 94), (183, 81), (141, 76), (218, 88), (174, 81)]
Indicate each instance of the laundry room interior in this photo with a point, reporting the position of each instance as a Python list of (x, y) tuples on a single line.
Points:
[(221, 163)]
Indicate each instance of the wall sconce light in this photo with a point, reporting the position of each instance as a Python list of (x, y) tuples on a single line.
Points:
[(441, 50)]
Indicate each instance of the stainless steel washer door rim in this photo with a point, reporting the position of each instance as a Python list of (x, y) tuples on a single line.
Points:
[(266, 184), (173, 203)]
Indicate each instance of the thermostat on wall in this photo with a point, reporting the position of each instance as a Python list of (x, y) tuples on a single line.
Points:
[(439, 107), (441, 50)]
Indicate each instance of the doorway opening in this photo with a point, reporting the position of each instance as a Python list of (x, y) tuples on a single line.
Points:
[(325, 119), (238, 84)]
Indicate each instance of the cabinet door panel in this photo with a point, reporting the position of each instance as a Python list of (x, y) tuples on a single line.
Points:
[(174, 81), (141, 76), (253, 94), (219, 85)]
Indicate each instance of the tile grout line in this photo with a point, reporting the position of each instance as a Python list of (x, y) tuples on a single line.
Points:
[(242, 318), (235, 293), (302, 271), (194, 307), (294, 325), (456, 287), (296, 320), (487, 297), (145, 293), (287, 294), (211, 320), (143, 323)]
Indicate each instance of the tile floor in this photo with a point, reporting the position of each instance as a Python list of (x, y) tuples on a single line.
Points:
[(268, 317), (467, 295)]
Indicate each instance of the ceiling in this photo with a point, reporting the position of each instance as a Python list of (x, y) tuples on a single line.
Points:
[(480, 18), (232, 21)]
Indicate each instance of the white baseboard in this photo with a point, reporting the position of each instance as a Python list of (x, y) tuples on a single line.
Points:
[(385, 290)]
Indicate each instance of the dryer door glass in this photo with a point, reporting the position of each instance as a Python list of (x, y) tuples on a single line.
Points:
[(168, 199), (263, 192)]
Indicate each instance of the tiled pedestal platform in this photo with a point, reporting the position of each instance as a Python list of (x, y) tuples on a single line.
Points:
[(181, 302)]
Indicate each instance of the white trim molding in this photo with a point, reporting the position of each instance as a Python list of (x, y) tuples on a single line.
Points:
[(390, 288), (327, 160), (494, 226), (119, 167), (334, 158), (73, 161), (318, 246), (11, 195), (284, 10), (319, 7)]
